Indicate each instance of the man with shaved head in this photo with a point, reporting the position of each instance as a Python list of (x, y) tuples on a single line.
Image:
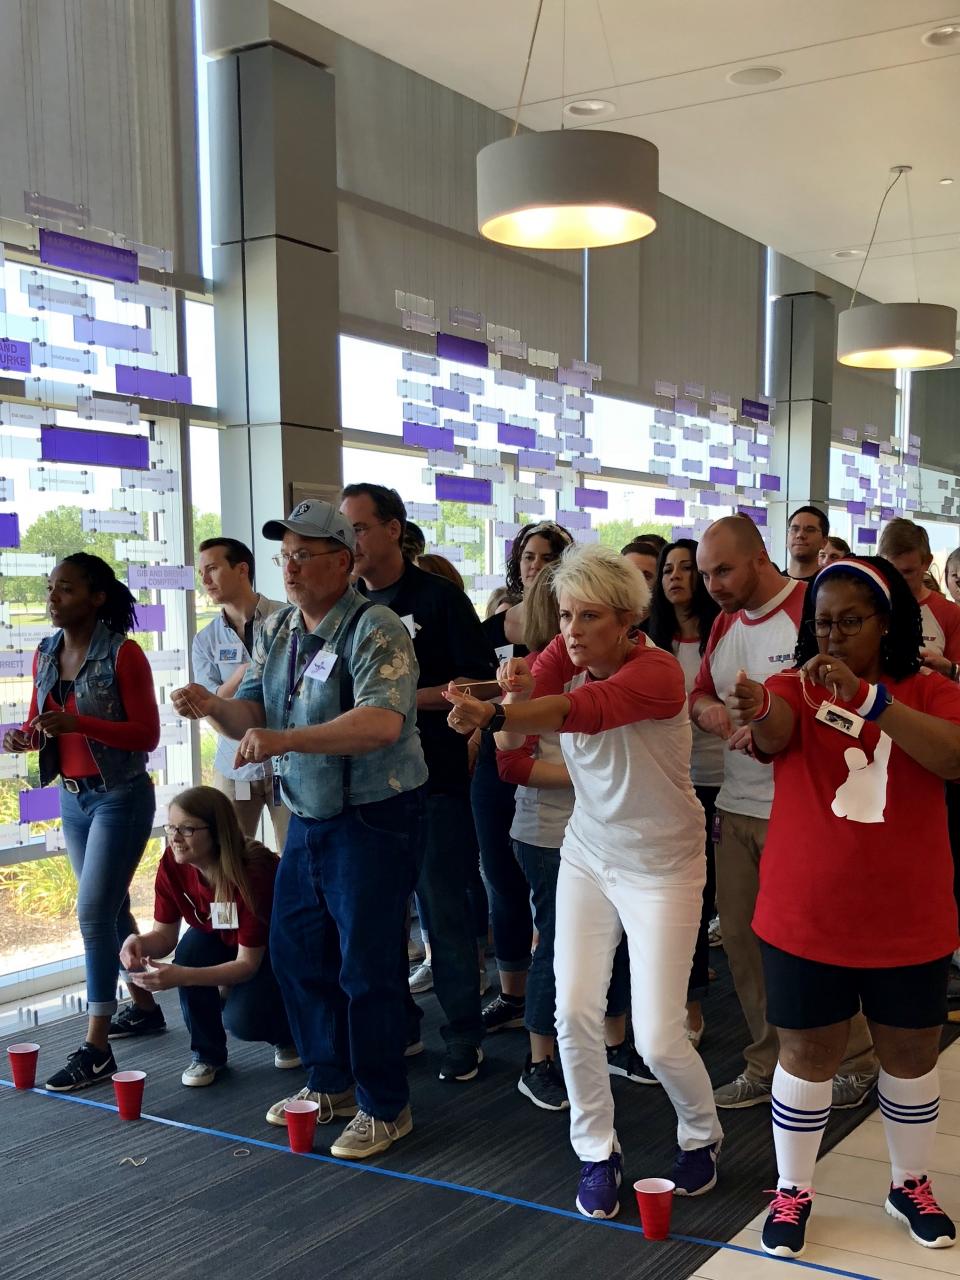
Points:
[(755, 632)]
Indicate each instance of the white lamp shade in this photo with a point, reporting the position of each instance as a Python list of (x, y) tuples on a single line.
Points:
[(567, 189), (897, 335)]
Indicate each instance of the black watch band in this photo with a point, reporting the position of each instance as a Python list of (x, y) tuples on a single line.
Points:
[(497, 720)]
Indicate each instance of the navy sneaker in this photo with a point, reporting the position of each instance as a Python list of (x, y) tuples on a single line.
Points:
[(785, 1228), (695, 1172), (913, 1203), (460, 1062), (542, 1083), (598, 1192), (623, 1060), (132, 1021)]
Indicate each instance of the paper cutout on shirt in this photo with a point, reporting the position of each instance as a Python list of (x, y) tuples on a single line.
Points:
[(863, 796)]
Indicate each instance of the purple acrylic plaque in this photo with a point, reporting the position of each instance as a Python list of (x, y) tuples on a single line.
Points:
[(99, 448), (153, 385), (757, 514), (105, 333), (150, 617), (530, 460), (446, 399), (755, 410), (689, 407), (9, 530), (463, 350), (867, 536), (591, 498), (723, 475), (424, 437), (523, 437), (870, 448), (574, 519), (462, 488), (40, 805), (15, 355), (856, 508), (887, 513), (669, 507), (76, 254), (770, 482)]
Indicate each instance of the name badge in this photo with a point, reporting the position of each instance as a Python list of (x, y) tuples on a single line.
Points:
[(241, 790), (505, 652), (223, 915), (229, 655), (321, 666), (411, 626), (835, 717)]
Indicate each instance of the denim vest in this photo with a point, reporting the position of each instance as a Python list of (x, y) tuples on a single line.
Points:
[(97, 695)]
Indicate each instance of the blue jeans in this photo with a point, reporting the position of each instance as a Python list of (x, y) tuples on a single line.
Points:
[(541, 867), (106, 833), (338, 946), (507, 890), (252, 1010), (450, 848)]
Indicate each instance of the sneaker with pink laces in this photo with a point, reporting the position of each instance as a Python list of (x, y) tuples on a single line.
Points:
[(913, 1203), (786, 1224)]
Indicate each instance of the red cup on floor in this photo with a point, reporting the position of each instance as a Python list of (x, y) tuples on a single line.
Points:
[(301, 1116), (128, 1086), (23, 1064), (655, 1202)]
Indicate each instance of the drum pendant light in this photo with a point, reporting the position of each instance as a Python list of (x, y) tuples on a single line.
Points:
[(566, 189), (895, 335)]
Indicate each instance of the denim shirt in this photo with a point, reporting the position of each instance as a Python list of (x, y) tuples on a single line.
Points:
[(97, 695), (384, 672), (217, 652)]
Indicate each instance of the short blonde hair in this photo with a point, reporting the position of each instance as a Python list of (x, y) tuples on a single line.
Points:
[(598, 575)]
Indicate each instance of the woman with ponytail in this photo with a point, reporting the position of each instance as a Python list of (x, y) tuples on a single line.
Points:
[(93, 717)]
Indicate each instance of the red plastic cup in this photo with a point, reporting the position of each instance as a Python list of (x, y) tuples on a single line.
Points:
[(655, 1202), (301, 1116), (128, 1086), (23, 1064)]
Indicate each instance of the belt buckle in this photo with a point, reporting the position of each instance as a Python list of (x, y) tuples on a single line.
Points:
[(71, 785)]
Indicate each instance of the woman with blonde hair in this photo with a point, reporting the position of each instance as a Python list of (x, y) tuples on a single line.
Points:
[(221, 885), (632, 857)]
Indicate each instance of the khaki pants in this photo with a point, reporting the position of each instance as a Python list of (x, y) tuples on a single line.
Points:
[(738, 880), (249, 811)]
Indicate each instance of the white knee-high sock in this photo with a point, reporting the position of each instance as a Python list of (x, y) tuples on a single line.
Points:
[(909, 1109), (801, 1109)]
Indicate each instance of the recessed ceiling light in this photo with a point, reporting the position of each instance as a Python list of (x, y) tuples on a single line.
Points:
[(943, 37), (589, 109), (946, 182), (755, 75), (848, 253)]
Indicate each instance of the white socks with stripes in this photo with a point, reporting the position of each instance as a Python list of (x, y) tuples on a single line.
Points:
[(910, 1109), (801, 1109)]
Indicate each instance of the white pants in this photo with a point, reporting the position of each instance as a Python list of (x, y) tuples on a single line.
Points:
[(596, 904)]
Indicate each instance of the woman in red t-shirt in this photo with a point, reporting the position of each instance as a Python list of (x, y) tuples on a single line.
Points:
[(855, 907), (221, 885)]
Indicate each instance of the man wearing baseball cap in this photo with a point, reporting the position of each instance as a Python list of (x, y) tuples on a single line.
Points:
[(330, 696)]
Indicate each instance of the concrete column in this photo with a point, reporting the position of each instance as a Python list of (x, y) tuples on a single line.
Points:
[(276, 294)]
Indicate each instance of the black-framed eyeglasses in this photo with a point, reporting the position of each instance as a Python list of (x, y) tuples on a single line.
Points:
[(301, 557), (188, 830), (851, 626)]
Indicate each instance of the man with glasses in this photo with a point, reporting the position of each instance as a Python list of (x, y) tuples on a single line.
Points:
[(756, 633), (331, 696), (807, 531), (450, 645), (221, 654)]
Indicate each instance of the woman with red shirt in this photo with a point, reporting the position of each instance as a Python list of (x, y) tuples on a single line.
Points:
[(221, 884), (93, 716), (855, 905)]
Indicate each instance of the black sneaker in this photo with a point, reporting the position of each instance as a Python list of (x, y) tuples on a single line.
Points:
[(460, 1062), (87, 1066), (913, 1203), (503, 1014), (132, 1021), (785, 1228), (623, 1060), (542, 1083)]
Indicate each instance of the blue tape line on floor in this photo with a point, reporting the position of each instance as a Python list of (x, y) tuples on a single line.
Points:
[(513, 1201)]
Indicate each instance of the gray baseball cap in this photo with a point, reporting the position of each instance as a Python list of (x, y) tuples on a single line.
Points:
[(313, 519)]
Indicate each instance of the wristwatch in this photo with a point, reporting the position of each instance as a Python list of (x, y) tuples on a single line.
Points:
[(497, 720)]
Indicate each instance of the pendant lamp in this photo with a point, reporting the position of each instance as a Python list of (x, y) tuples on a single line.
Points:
[(566, 189), (895, 335)]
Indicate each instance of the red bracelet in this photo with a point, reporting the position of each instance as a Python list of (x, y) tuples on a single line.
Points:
[(767, 704)]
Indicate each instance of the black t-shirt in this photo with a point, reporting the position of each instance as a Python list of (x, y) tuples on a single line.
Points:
[(449, 643), (494, 628)]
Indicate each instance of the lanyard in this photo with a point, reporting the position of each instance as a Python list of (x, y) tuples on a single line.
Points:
[(293, 680)]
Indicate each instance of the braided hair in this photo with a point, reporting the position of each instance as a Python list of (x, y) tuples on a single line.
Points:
[(118, 613), (900, 647)]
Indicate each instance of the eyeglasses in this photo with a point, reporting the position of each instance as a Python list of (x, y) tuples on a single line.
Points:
[(301, 557), (846, 626), (187, 831)]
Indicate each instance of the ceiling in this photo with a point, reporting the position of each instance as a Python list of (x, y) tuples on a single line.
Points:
[(800, 164)]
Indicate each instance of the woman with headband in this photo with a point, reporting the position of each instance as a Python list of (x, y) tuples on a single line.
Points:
[(93, 717), (856, 905)]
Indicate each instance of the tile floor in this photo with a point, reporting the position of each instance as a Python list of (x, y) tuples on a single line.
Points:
[(848, 1229)]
